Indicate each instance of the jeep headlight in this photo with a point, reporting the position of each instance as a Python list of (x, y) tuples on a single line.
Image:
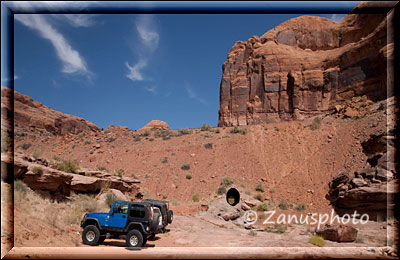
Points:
[(147, 228)]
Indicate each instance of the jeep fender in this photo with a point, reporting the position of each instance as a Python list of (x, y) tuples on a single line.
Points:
[(91, 221), (139, 226)]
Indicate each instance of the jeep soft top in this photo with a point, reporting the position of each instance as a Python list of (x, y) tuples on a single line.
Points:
[(167, 214)]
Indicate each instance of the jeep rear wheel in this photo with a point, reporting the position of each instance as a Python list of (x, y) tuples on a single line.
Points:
[(134, 239), (170, 216), (91, 235)]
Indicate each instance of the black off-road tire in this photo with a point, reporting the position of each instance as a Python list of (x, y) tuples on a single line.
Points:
[(101, 239), (91, 235), (151, 236), (134, 238), (154, 222), (170, 216)]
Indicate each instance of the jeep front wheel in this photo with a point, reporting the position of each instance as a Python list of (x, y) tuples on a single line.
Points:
[(91, 235), (134, 239)]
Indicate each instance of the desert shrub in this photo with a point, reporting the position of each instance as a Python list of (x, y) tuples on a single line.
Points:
[(146, 133), (185, 167), (272, 190), (110, 139), (235, 130), (20, 186), (185, 131), (85, 203), (259, 197), (164, 196), (188, 176), (217, 131), (208, 146), (164, 160), (82, 134), (37, 170), (119, 172), (316, 123), (252, 233), (227, 181), (317, 240), (137, 138), (166, 137), (86, 142), (196, 197), (300, 207), (243, 131), (247, 192), (25, 146), (163, 133), (283, 204), (262, 207), (277, 129), (279, 229), (205, 127), (110, 199), (381, 106), (221, 190), (51, 214), (68, 166), (259, 187), (36, 154), (101, 168)]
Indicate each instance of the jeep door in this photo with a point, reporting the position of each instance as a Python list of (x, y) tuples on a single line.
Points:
[(119, 215)]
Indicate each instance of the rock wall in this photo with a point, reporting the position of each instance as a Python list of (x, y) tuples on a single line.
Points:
[(305, 66), (33, 117)]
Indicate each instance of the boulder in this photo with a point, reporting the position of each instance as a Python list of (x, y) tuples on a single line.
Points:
[(155, 124), (230, 216), (251, 202), (338, 233), (117, 193)]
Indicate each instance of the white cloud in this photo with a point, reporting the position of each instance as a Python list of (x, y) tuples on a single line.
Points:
[(193, 95), (135, 71), (337, 17), (77, 20), (149, 38), (72, 60)]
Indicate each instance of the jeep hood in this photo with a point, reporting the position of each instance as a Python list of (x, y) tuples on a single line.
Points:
[(96, 215)]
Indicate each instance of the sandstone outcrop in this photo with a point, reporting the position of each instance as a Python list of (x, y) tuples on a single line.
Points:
[(154, 125), (60, 184), (338, 233), (37, 119), (305, 66), (372, 190)]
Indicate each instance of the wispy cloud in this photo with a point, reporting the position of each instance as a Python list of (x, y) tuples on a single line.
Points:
[(72, 61), (77, 20), (193, 95), (337, 17), (147, 44)]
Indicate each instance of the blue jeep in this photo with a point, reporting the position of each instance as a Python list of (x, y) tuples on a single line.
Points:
[(134, 221)]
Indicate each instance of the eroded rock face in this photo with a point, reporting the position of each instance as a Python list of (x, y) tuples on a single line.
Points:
[(60, 184), (304, 66), (372, 190), (36, 118)]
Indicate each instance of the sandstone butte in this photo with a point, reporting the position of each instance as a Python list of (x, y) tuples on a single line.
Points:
[(306, 66), (155, 124)]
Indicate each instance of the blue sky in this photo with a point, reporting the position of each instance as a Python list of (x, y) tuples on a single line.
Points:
[(129, 69)]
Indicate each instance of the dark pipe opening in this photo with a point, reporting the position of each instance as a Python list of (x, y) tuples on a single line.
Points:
[(233, 196)]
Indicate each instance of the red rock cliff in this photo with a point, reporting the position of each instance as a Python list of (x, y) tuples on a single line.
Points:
[(303, 67)]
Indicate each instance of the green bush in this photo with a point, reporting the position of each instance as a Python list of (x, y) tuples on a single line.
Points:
[(217, 131), (119, 172), (165, 134), (101, 168), (36, 154), (110, 199), (283, 204), (252, 233), (279, 229), (300, 207), (243, 131), (188, 176), (262, 207), (185, 167), (86, 142), (259, 187), (316, 123), (146, 133), (221, 190), (37, 170), (185, 131), (68, 166), (259, 197), (25, 146), (137, 138), (208, 146), (227, 181), (20, 186), (205, 127), (235, 130), (196, 197), (317, 240)]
